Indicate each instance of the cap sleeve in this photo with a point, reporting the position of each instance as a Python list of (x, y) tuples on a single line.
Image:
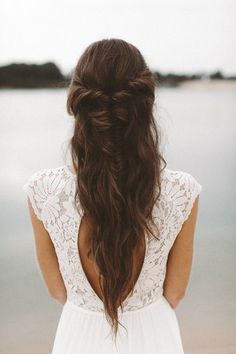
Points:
[(191, 188), (34, 188)]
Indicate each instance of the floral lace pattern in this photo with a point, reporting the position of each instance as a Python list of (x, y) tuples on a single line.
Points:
[(51, 193)]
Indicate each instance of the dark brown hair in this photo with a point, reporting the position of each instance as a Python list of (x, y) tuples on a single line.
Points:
[(115, 153)]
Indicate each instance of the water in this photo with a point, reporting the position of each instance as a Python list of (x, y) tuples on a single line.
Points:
[(198, 136)]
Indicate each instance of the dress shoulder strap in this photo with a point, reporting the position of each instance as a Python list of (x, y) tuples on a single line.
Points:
[(189, 189), (50, 191), (36, 188)]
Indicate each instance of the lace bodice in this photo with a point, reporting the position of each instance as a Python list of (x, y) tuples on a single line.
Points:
[(51, 192)]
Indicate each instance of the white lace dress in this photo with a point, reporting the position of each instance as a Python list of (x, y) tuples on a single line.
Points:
[(151, 323)]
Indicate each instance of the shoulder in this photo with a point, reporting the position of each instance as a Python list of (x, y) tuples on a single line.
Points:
[(45, 183), (182, 188), (43, 176), (180, 178)]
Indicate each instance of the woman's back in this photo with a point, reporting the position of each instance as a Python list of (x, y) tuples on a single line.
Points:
[(51, 192), (89, 265)]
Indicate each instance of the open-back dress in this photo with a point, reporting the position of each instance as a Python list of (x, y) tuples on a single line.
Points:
[(151, 325)]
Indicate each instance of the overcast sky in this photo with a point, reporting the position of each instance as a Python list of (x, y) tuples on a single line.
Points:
[(182, 36)]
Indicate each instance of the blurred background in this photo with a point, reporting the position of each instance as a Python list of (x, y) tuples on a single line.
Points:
[(191, 46)]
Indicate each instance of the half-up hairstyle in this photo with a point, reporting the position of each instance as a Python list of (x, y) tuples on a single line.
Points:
[(115, 153)]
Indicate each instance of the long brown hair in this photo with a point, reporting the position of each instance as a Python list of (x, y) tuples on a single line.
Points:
[(115, 153)]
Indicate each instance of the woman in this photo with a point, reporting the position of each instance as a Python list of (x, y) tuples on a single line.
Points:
[(114, 231)]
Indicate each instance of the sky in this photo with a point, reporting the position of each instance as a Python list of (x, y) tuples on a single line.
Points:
[(181, 36)]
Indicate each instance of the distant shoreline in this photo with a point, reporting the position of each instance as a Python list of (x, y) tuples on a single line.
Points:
[(191, 84), (215, 84), (48, 75)]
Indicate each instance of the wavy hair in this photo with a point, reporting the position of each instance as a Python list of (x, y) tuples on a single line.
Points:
[(115, 153)]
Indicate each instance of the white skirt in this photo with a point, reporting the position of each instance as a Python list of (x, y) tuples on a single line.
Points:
[(152, 329)]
